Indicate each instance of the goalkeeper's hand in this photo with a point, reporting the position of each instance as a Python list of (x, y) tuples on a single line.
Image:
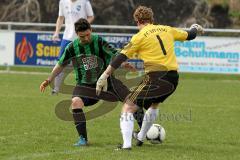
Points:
[(102, 83), (198, 27), (44, 84)]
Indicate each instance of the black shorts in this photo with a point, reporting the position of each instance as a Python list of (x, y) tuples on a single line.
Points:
[(155, 88), (117, 91)]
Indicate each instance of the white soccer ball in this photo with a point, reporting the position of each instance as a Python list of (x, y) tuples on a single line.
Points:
[(156, 134)]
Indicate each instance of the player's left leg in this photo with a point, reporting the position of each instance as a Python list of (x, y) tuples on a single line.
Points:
[(127, 118), (79, 120), (138, 116), (149, 118)]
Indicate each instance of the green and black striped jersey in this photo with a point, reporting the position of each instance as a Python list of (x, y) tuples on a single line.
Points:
[(89, 60)]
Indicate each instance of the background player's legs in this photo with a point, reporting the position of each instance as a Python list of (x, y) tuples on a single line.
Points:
[(58, 80)]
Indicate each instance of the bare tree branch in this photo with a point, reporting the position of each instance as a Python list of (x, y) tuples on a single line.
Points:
[(28, 11)]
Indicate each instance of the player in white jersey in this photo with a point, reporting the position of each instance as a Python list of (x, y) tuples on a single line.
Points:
[(70, 11)]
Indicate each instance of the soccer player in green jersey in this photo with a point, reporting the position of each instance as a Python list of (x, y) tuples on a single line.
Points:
[(90, 55)]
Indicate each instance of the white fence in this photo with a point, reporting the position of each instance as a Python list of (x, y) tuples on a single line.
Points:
[(11, 25)]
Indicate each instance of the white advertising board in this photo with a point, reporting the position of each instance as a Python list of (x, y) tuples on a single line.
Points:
[(7, 48), (209, 55)]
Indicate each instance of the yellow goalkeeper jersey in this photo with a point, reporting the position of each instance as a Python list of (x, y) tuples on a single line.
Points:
[(154, 44)]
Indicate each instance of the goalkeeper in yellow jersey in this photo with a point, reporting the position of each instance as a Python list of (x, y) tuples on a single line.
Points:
[(154, 44)]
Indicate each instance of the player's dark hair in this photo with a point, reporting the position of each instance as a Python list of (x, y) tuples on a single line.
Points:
[(82, 25)]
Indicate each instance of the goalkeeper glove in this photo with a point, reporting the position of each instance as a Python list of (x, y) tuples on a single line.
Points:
[(102, 83), (198, 27)]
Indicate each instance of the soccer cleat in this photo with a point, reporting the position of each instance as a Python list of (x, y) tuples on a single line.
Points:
[(139, 143), (119, 148), (81, 142), (54, 92), (135, 136)]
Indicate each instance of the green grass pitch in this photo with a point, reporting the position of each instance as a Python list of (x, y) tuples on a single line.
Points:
[(201, 121)]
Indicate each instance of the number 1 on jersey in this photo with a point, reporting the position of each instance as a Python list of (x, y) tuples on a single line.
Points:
[(161, 44)]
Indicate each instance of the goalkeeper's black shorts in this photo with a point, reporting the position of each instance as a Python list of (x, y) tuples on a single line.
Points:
[(156, 87)]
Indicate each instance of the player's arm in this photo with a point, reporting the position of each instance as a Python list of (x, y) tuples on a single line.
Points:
[(63, 61), (59, 24), (195, 29), (181, 35), (56, 70), (192, 34), (90, 19), (90, 14)]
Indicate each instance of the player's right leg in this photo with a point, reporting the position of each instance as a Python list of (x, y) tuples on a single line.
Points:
[(126, 118), (127, 124), (121, 92)]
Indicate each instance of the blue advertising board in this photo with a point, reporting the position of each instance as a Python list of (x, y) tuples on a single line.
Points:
[(36, 49), (117, 41)]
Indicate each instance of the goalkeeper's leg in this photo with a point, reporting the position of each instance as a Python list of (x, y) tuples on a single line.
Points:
[(138, 116), (149, 118), (127, 123)]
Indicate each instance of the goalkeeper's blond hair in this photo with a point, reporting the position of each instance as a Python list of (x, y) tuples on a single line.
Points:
[(143, 15)]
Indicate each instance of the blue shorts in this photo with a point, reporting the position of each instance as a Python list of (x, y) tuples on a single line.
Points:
[(64, 44)]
